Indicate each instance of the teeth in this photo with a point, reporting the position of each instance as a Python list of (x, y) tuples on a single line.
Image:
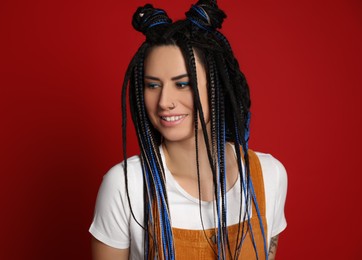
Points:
[(172, 118)]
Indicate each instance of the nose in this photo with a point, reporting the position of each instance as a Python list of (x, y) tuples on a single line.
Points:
[(167, 100)]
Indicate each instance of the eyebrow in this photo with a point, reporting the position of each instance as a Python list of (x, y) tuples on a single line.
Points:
[(173, 78)]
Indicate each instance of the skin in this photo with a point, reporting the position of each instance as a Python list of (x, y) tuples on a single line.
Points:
[(166, 86), (101, 251), (273, 247), (169, 105)]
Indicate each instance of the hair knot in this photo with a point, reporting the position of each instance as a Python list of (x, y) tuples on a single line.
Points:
[(206, 15), (147, 17)]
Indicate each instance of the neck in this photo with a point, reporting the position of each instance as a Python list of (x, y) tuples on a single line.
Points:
[(181, 157), (181, 161)]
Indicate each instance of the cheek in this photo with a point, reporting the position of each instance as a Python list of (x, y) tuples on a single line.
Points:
[(150, 111), (186, 101), (190, 100), (149, 100)]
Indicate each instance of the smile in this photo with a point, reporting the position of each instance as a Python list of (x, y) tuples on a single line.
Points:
[(172, 118)]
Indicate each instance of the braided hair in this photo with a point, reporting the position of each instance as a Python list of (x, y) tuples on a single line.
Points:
[(198, 35)]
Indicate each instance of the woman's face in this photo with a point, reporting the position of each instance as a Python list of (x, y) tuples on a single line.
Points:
[(168, 94)]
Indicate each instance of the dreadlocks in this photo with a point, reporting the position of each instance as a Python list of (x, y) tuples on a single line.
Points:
[(229, 102)]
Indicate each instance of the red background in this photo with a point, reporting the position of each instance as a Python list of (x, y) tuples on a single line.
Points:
[(62, 63)]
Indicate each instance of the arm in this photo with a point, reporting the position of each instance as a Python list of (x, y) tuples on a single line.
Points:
[(279, 182), (110, 227), (101, 251), (273, 247)]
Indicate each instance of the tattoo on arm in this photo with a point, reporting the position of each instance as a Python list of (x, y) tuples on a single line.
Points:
[(273, 247)]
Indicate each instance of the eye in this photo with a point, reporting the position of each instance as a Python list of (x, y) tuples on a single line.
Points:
[(182, 84), (152, 85)]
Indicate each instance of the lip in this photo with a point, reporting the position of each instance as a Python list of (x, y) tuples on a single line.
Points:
[(171, 120)]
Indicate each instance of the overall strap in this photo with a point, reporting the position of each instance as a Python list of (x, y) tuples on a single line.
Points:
[(256, 175)]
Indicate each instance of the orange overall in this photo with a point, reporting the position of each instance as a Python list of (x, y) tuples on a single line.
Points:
[(192, 244)]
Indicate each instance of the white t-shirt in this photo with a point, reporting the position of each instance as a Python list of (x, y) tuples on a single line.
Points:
[(114, 225)]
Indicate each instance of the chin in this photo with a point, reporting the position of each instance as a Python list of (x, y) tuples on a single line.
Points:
[(178, 137)]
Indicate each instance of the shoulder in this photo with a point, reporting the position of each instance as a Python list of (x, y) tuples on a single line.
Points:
[(275, 187), (112, 216), (112, 194), (271, 165), (114, 181), (274, 172), (117, 172)]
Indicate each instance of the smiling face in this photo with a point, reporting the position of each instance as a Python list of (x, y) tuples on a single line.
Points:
[(168, 94)]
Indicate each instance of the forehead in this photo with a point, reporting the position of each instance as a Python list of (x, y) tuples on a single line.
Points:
[(166, 59)]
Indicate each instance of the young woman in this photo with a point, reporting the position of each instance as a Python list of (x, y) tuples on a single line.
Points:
[(196, 191)]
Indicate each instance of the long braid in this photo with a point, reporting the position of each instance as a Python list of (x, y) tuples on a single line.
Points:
[(162, 237), (219, 172), (130, 68), (158, 239), (218, 129), (141, 122), (219, 193), (241, 107), (141, 125), (222, 159), (218, 141), (188, 53), (239, 126)]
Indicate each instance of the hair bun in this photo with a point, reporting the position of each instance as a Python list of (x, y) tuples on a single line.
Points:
[(206, 15), (147, 16)]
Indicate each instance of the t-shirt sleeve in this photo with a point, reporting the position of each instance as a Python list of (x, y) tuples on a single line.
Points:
[(112, 215), (281, 185)]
